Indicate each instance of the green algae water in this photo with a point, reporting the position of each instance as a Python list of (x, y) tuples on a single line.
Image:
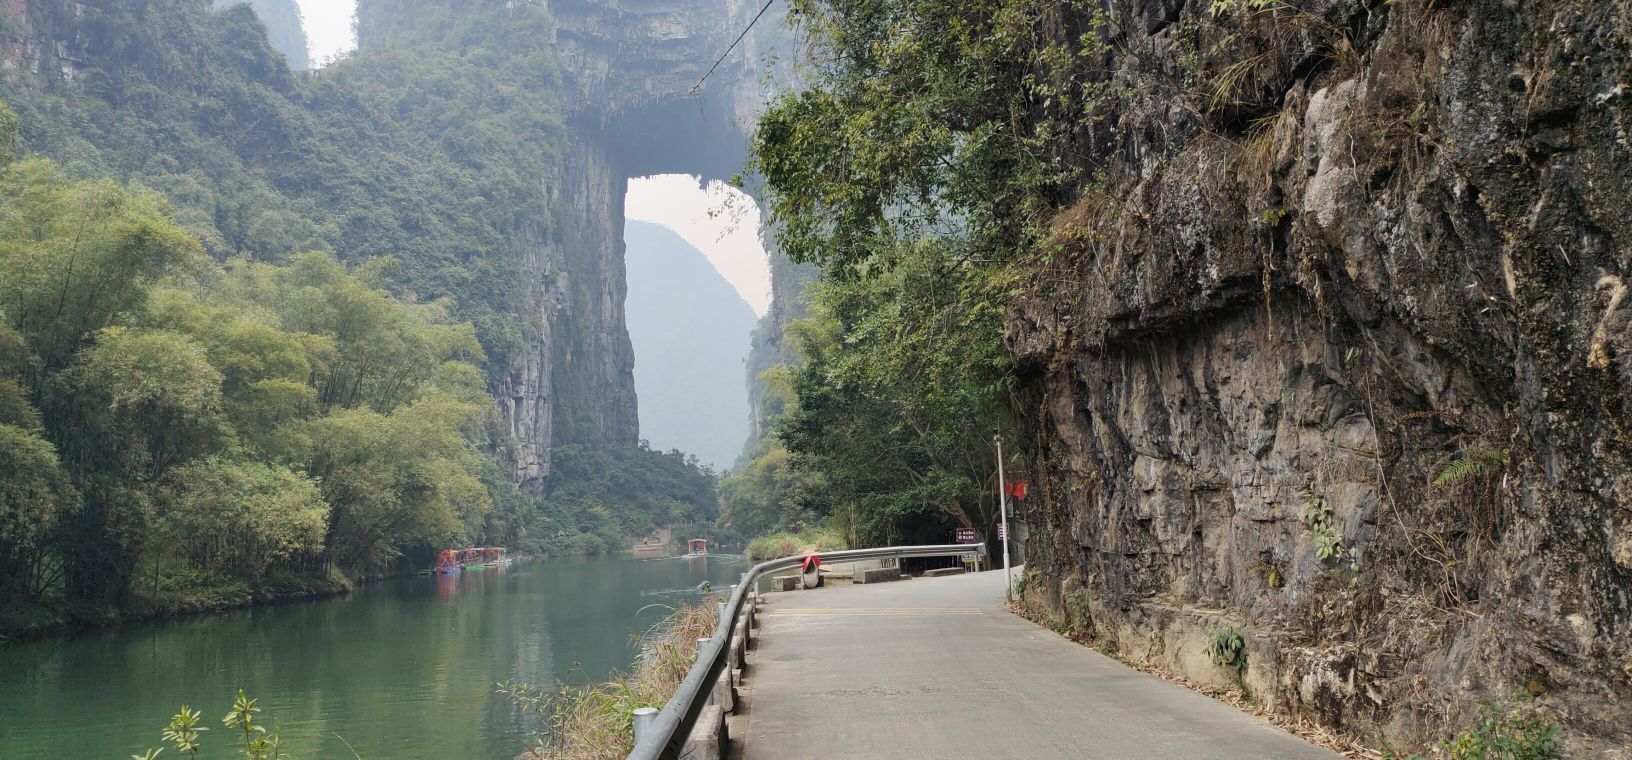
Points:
[(397, 670)]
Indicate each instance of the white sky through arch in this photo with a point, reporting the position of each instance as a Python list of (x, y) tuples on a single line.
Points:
[(719, 220), (328, 28)]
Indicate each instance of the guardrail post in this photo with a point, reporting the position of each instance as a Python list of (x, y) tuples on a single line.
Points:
[(644, 716), (709, 697)]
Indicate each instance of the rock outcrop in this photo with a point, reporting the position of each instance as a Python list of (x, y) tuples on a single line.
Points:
[(1348, 249)]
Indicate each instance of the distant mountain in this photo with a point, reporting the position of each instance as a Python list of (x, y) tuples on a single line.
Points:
[(691, 333), (283, 28)]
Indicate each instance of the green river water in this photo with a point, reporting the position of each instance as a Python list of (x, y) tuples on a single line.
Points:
[(397, 670)]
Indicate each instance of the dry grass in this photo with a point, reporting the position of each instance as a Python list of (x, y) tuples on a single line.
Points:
[(592, 722), (778, 545)]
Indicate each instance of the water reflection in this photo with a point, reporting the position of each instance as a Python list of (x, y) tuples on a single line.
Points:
[(399, 669)]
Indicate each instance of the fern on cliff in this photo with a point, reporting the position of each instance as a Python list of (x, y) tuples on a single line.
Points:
[(1474, 462)]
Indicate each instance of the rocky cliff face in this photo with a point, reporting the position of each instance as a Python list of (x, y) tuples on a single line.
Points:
[(573, 380), (1389, 248), (770, 346), (626, 74), (630, 84)]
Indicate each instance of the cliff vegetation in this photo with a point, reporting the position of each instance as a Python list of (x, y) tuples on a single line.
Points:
[(1311, 334)]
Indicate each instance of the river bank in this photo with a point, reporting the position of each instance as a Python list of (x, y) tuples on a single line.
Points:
[(34, 620)]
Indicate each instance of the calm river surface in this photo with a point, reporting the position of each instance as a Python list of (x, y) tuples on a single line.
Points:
[(399, 670)]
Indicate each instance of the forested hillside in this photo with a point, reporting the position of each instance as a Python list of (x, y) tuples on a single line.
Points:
[(269, 330), (283, 28), (211, 426)]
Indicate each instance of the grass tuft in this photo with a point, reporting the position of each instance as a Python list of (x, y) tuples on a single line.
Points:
[(593, 721), (787, 544)]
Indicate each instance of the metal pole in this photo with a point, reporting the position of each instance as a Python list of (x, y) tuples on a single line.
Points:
[(643, 721), (1003, 510)]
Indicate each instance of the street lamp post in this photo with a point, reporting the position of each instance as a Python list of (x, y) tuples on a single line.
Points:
[(1003, 512)]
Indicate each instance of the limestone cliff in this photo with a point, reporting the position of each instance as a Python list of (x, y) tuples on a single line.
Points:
[(1348, 249), (626, 74), (770, 346)]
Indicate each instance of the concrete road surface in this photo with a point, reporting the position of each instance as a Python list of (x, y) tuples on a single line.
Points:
[(937, 668)]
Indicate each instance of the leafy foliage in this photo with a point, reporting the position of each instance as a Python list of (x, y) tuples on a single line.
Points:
[(1316, 515), (33, 496), (597, 495), (785, 544), (1227, 647), (283, 27), (255, 742), (966, 121), (184, 731), (429, 150), (1475, 462), (929, 153), (242, 517), (1504, 733), (1079, 614), (233, 421), (264, 357)]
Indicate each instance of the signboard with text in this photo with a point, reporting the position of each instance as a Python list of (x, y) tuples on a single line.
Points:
[(967, 536)]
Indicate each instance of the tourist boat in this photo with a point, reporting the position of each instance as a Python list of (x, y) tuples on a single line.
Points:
[(447, 562), (450, 561), (697, 547)]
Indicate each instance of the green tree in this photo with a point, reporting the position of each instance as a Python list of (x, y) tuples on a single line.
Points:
[(132, 406), (933, 145), (33, 496), (398, 480), (78, 256), (243, 518)]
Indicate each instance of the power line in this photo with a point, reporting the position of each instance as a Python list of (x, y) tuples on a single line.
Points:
[(734, 43)]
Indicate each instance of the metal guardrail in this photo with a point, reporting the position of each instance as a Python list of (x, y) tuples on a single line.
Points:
[(667, 733)]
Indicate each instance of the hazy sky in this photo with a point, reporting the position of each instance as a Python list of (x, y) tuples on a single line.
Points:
[(328, 27), (720, 221)]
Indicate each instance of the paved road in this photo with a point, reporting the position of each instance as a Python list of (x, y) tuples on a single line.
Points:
[(936, 668)]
